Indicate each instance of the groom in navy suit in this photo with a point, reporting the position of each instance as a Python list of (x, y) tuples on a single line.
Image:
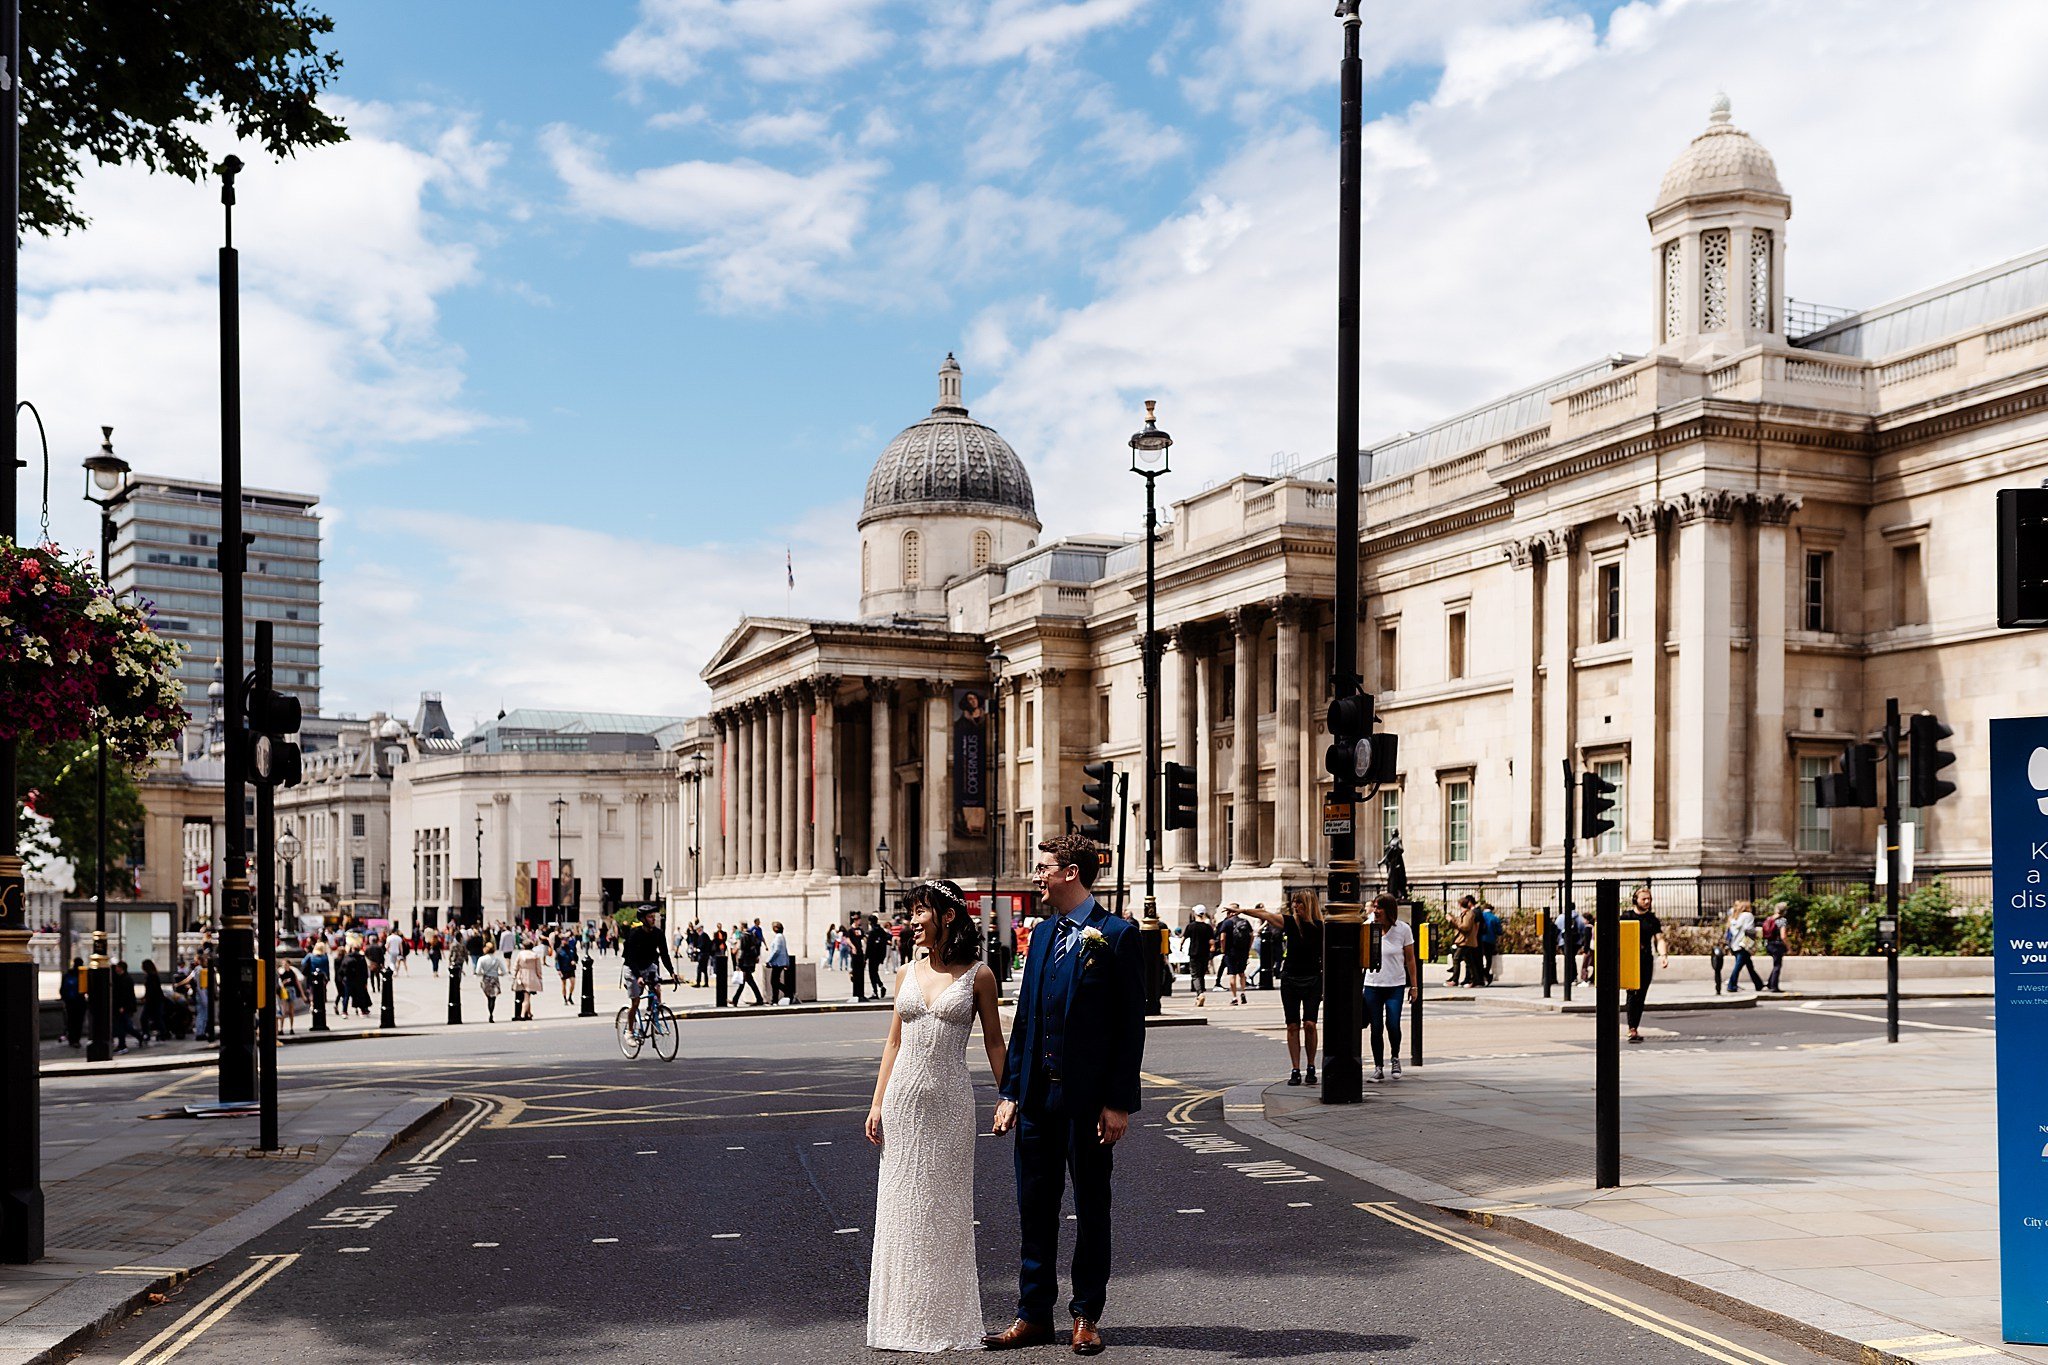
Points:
[(1070, 1088)]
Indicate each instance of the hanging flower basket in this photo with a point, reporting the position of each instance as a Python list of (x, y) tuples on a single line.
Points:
[(76, 663)]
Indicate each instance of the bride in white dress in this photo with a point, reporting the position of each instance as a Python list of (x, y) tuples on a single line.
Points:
[(924, 1293)]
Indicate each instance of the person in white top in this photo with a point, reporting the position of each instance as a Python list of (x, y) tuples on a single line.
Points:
[(394, 950), (1741, 933), (1387, 987)]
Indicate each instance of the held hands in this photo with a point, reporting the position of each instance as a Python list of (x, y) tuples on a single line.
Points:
[(874, 1125), (1006, 1117), (1110, 1127)]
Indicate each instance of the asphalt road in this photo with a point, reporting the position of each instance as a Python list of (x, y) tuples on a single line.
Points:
[(718, 1208)]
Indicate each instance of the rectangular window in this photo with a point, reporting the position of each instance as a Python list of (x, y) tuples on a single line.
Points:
[(355, 825), (1615, 840), (1229, 833), (1454, 635), (1272, 697), (1458, 821), (355, 873), (1030, 736), (1815, 615), (1390, 818), (1607, 602), (1909, 586), (1816, 830), (1390, 658), (1103, 704)]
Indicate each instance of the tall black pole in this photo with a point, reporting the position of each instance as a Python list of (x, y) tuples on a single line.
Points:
[(266, 920), (1607, 1032), (1571, 916), (237, 930), (1343, 1071), (697, 849), (991, 784), (99, 972), (1155, 939), (1890, 942), (21, 1120)]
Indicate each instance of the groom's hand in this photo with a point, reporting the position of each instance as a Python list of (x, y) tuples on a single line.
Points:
[(1006, 1117), (1110, 1127)]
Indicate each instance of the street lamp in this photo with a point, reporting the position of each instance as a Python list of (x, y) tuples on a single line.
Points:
[(558, 805), (1151, 456), (992, 784), (882, 872), (106, 484), (700, 767), (479, 868), (657, 883)]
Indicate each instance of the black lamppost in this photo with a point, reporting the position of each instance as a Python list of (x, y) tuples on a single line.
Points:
[(657, 886), (992, 784), (479, 867), (558, 805), (1151, 456), (882, 886), (106, 485), (700, 767)]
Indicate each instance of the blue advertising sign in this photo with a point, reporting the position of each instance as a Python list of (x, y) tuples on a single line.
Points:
[(2019, 888)]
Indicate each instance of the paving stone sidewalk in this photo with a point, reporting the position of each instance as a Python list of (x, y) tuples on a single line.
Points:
[(133, 1205), (1845, 1194)]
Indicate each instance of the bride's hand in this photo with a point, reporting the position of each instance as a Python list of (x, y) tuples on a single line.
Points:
[(874, 1125)]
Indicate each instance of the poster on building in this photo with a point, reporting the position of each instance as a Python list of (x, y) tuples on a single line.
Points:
[(544, 887), (522, 884), (970, 762), (2019, 890)]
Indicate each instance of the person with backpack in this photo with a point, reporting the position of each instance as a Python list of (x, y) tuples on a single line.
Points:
[(746, 956), (1301, 974), (1741, 933), (1236, 933), (1774, 944), (1465, 927), (1490, 928)]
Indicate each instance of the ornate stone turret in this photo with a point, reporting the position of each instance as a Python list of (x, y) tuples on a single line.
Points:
[(1718, 237)]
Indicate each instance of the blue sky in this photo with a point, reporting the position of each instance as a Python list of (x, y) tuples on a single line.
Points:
[(608, 304)]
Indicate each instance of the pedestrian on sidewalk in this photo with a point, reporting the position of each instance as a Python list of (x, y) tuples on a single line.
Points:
[(289, 989), (1490, 930), (746, 956), (356, 977), (878, 943), (194, 982), (1199, 938), (1466, 924), (490, 973), (1223, 914), (721, 963), (1301, 975), (508, 943), (781, 967), (395, 950), (153, 1003), (124, 1009), (1272, 949), (1236, 933), (71, 990), (1774, 944), (434, 951), (1741, 935), (1652, 944), (526, 978), (316, 968), (373, 958), (856, 951), (565, 966), (1386, 989)]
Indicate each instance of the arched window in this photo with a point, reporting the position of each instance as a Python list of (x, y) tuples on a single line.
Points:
[(982, 548), (865, 574), (910, 557)]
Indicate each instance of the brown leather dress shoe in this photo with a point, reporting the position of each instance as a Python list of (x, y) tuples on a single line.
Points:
[(1018, 1333), (1087, 1341)]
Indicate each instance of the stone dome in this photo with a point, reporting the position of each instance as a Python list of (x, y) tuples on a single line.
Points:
[(1723, 160), (951, 461)]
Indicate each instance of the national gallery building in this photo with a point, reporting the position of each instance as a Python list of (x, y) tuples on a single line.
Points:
[(1698, 570)]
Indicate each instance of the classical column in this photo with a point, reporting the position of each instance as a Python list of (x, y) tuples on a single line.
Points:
[(1185, 729), (1012, 771), (881, 766), (804, 789), (938, 763), (743, 790), (759, 788), (1557, 547), (825, 785), (1287, 710), (1705, 629), (778, 782), (1209, 848), (792, 800), (1051, 813), (1244, 791), (1769, 795), (1643, 610), (1526, 830), (711, 813)]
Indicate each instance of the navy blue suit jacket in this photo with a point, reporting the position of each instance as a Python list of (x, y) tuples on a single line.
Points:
[(1103, 992)]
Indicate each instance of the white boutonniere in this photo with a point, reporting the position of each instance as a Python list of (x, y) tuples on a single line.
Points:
[(1093, 941)]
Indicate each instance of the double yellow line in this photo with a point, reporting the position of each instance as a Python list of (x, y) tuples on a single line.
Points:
[(1693, 1338)]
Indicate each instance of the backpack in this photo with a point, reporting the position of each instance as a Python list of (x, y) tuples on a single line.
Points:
[(1489, 927), (1239, 931)]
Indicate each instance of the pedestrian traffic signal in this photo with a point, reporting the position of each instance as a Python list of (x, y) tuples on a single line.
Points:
[(1356, 754), (1097, 800), (1925, 783), (2022, 557), (1596, 805), (1180, 796), (1854, 786), (273, 720)]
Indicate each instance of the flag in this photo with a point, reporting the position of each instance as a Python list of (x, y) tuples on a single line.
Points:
[(789, 564)]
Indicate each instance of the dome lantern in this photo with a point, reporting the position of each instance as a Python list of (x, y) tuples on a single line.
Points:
[(1718, 239)]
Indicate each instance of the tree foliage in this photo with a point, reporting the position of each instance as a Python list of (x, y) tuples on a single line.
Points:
[(60, 777), (129, 80)]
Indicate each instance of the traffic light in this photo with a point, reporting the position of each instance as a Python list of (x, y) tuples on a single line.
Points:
[(1855, 785), (273, 720), (1097, 800), (1180, 796), (1929, 758), (1356, 754), (2022, 557), (1596, 805)]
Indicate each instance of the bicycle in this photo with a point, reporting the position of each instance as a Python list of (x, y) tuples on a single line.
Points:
[(648, 1020)]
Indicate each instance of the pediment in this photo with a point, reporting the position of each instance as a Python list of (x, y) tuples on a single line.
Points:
[(753, 635)]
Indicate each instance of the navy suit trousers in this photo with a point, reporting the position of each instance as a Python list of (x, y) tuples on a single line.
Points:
[(1051, 1145)]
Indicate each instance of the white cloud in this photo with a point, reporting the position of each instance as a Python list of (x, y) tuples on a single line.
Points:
[(773, 40), (789, 128), (760, 234), (1504, 236), (982, 32)]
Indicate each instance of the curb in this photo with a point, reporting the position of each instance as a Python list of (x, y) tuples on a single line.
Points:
[(1827, 1325), (87, 1307), (57, 1071)]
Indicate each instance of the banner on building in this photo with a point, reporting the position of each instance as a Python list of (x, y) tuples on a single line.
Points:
[(2019, 890), (970, 762), (545, 886), (522, 884)]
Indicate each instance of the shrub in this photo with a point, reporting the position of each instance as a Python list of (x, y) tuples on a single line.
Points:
[(1928, 925)]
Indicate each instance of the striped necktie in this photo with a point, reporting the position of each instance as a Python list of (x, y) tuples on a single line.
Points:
[(1069, 931)]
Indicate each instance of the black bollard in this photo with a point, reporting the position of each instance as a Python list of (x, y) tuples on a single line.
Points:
[(319, 986), (1716, 957), (455, 987), (589, 1010), (389, 1018)]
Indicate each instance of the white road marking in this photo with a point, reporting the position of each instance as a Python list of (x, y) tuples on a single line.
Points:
[(735, 1149), (647, 1153), (483, 1244), (841, 1232), (554, 1157), (1304, 1204), (1191, 1210), (348, 1250), (821, 1144), (210, 1310), (465, 1161), (723, 1236), (479, 1110), (602, 1241)]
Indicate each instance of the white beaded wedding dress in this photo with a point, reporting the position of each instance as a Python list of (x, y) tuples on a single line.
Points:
[(924, 1293)]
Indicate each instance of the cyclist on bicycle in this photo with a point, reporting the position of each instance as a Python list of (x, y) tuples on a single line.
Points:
[(645, 946)]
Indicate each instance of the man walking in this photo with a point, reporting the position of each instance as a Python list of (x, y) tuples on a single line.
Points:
[(878, 949), (856, 946)]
